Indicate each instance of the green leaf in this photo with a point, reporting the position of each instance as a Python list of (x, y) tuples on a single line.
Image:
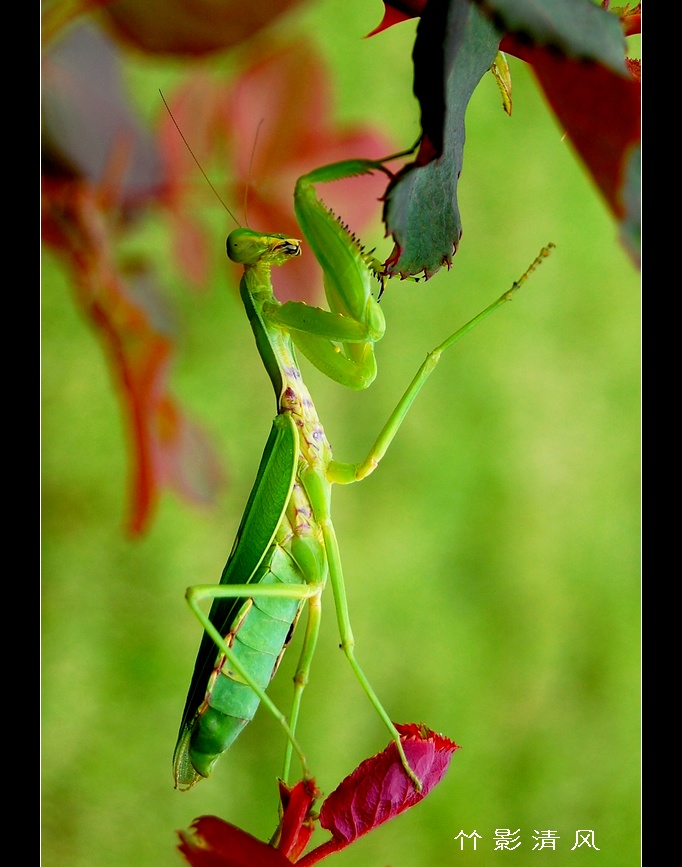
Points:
[(421, 210)]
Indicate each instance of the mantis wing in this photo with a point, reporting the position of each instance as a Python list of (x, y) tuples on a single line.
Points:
[(264, 510)]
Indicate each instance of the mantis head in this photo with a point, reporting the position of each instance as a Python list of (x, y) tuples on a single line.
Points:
[(246, 247)]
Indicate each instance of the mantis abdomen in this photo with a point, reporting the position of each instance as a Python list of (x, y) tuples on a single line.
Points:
[(255, 629), (260, 634)]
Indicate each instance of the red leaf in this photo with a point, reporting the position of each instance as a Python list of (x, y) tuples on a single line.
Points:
[(298, 821), (379, 789), (183, 28), (634, 68), (100, 167), (87, 118), (601, 113), (397, 11), (124, 306), (375, 792), (214, 843), (631, 19)]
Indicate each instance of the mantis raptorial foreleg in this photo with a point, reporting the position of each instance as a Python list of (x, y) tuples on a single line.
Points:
[(286, 546)]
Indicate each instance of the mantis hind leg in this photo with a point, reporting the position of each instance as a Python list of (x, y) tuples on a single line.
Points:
[(348, 644), (302, 673), (315, 488)]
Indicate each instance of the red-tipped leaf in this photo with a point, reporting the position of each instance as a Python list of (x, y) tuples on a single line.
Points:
[(298, 820), (214, 843), (379, 789)]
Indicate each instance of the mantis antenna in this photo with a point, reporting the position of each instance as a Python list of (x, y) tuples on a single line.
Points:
[(200, 167), (248, 175)]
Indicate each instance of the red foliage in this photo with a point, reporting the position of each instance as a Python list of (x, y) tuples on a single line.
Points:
[(397, 11), (298, 820), (379, 789), (192, 29), (122, 303), (630, 18), (376, 791), (214, 843), (599, 110)]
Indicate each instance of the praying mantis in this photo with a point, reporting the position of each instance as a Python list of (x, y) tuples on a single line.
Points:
[(286, 548)]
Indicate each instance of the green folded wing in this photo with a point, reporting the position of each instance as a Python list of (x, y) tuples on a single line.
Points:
[(264, 509)]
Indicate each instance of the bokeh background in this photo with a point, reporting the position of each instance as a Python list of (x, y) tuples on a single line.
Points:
[(492, 562)]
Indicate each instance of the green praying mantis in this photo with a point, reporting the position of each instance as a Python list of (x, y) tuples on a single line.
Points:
[(286, 548)]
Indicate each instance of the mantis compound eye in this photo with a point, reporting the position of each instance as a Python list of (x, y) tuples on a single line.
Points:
[(289, 248)]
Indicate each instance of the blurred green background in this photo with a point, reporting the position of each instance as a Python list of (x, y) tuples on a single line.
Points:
[(492, 561)]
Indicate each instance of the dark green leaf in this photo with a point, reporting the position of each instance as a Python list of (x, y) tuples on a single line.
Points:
[(575, 28), (421, 210)]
